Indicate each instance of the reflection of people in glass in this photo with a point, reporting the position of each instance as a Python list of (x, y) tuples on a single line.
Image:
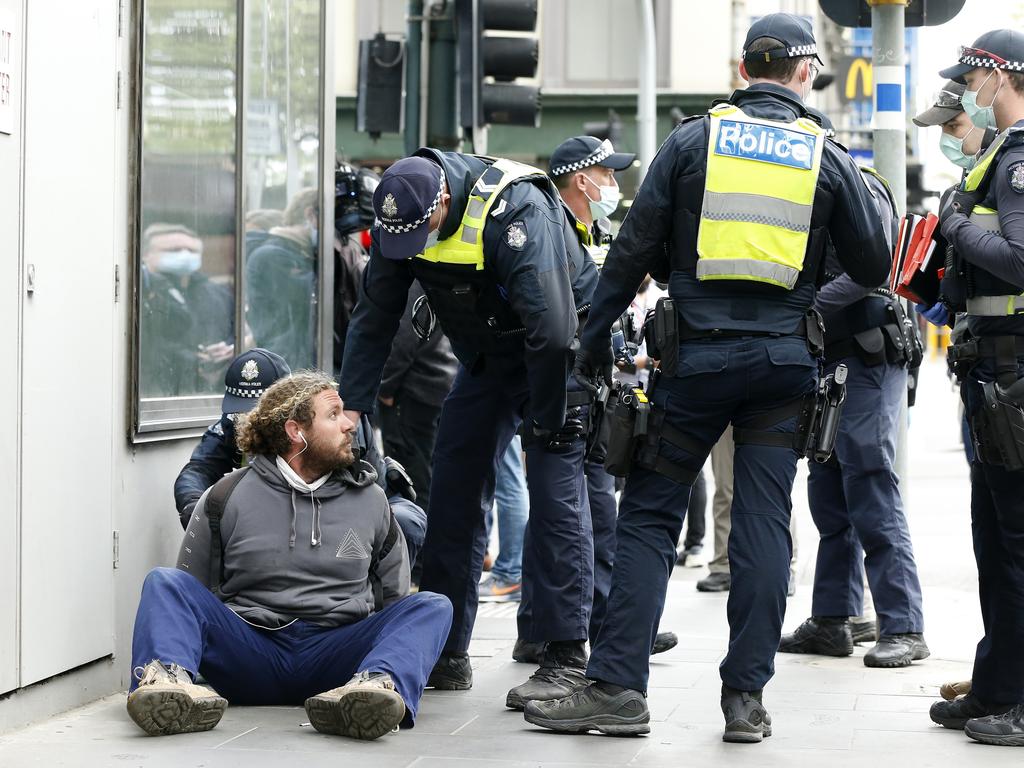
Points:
[(186, 320), (281, 284), (258, 224)]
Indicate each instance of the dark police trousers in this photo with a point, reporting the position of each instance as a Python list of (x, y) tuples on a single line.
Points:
[(719, 382), (997, 522), (478, 419), (603, 508), (855, 502), (180, 621)]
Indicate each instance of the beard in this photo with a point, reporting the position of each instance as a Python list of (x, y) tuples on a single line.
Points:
[(327, 456)]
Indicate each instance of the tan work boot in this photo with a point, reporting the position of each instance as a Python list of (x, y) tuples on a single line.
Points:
[(950, 691), (168, 702), (366, 707)]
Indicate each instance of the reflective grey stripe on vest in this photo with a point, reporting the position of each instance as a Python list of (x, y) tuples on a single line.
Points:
[(995, 306), (756, 209), (987, 221), (738, 268)]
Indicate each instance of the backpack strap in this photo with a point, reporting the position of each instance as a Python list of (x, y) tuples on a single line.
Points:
[(385, 549), (216, 501)]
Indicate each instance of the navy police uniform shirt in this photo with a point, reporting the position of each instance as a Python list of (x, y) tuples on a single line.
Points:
[(665, 217), (543, 275)]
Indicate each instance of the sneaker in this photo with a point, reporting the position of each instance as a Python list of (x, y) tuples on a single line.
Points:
[(366, 707), (1005, 730), (612, 710), (496, 590), (526, 652), (821, 635), (452, 672), (561, 673), (893, 651), (955, 714), (690, 557), (950, 691), (715, 582), (168, 702), (863, 630), (746, 719), (664, 641)]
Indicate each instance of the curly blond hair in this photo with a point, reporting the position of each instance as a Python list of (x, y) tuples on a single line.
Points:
[(261, 431)]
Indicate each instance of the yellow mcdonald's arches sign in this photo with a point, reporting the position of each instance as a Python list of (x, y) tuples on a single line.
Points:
[(858, 69)]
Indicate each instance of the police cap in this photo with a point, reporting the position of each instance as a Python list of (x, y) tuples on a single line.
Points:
[(408, 193), (794, 32), (248, 376), (581, 152), (998, 49)]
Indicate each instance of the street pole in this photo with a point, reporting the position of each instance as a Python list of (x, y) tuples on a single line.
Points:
[(890, 134), (647, 93), (414, 41)]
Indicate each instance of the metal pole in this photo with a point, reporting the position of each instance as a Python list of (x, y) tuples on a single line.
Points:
[(412, 76), (739, 23), (647, 95), (890, 135)]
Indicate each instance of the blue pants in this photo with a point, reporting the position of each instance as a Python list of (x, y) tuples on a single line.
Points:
[(512, 504), (603, 508), (718, 382), (478, 419), (855, 502), (179, 621), (413, 521), (997, 522)]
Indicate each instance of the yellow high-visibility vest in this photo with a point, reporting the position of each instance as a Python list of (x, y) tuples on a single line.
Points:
[(758, 196), (466, 244)]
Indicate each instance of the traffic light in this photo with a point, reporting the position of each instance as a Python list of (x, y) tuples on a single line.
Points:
[(610, 129), (489, 64), (379, 97)]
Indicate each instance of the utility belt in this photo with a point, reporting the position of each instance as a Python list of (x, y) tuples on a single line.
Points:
[(1003, 350), (882, 334), (997, 428)]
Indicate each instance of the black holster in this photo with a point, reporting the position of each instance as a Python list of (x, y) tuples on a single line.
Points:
[(627, 427), (661, 334), (997, 428)]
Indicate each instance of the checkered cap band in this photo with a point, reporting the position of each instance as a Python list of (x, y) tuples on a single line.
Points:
[(982, 61), (403, 228), (777, 53), (253, 393), (595, 157)]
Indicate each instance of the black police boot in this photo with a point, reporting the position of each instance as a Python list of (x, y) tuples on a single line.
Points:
[(746, 719), (526, 652), (863, 630), (602, 707), (452, 672), (715, 582), (893, 651), (955, 714), (561, 673), (665, 641), (1005, 730), (822, 635)]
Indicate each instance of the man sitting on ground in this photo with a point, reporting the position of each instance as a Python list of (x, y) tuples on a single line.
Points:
[(292, 578)]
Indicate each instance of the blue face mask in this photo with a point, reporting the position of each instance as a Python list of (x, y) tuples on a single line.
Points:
[(982, 117), (953, 149), (180, 262)]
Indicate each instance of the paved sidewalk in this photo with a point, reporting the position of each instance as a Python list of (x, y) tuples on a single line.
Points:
[(826, 711)]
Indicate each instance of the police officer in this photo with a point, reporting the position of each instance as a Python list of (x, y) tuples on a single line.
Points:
[(245, 380), (741, 202), (583, 169), (854, 498), (985, 227), (496, 254)]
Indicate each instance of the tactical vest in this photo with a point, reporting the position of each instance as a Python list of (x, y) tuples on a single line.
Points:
[(988, 295), (470, 305), (755, 218)]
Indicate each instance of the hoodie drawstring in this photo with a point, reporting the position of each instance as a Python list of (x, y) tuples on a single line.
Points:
[(314, 534), (291, 535)]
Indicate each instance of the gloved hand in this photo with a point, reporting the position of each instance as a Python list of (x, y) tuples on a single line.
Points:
[(960, 202), (936, 314), (397, 479), (591, 367), (562, 439)]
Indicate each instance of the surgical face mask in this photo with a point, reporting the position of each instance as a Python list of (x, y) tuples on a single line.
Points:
[(953, 149), (183, 261), (608, 201), (982, 117)]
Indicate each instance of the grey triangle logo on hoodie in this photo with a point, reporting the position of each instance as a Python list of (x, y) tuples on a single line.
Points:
[(351, 548)]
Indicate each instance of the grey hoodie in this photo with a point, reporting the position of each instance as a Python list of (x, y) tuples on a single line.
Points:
[(291, 555)]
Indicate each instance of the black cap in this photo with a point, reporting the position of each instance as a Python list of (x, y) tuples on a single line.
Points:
[(998, 49), (946, 105), (581, 152), (408, 193), (248, 376), (794, 32)]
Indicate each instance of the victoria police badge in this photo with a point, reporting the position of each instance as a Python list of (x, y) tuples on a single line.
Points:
[(515, 235), (1016, 176), (250, 371), (389, 206)]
